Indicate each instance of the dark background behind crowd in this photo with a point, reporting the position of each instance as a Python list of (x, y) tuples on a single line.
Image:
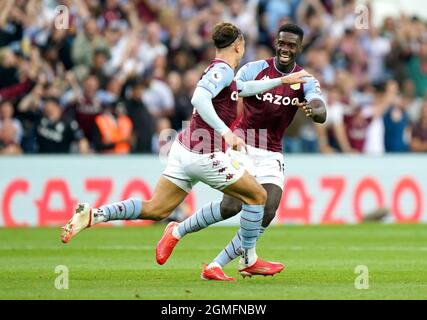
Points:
[(124, 70)]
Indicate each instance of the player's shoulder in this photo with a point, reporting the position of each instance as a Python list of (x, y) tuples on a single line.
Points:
[(256, 65), (250, 70), (219, 70), (219, 65)]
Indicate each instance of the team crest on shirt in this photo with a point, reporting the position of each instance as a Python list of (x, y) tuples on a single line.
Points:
[(296, 86)]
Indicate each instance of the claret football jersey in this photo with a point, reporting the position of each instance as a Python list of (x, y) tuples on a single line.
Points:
[(267, 115), (218, 80)]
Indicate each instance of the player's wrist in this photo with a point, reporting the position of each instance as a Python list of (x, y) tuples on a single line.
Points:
[(289, 79), (225, 131)]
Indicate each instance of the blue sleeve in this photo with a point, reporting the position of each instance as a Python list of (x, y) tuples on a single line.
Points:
[(251, 88), (250, 70), (202, 101), (217, 78), (312, 90)]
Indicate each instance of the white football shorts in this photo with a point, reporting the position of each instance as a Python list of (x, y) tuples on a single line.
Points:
[(265, 166), (186, 168)]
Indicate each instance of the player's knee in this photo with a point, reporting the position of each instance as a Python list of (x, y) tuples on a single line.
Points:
[(163, 214), (269, 214), (157, 212), (257, 197), (230, 208), (260, 196)]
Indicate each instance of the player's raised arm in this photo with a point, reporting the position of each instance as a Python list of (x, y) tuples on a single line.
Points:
[(208, 88), (315, 107)]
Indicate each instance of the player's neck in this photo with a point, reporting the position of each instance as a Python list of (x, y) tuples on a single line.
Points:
[(284, 68), (227, 58)]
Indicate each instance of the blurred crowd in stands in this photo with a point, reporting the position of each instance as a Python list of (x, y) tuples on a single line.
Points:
[(124, 70)]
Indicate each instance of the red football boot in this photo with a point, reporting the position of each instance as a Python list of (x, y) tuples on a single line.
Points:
[(262, 267), (215, 273), (166, 244)]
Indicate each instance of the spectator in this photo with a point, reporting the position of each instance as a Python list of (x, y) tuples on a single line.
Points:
[(415, 105), (143, 122), (10, 130), (377, 47), (152, 46), (112, 12), (19, 72), (62, 41), (86, 43), (274, 11), (99, 67), (30, 113), (319, 60), (55, 134), (11, 22), (112, 132), (8, 68), (417, 68), (243, 15), (183, 89), (84, 105), (396, 126), (158, 98), (117, 42), (360, 118), (332, 135), (419, 131)]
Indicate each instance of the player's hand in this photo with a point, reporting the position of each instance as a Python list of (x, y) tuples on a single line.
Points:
[(235, 142), (308, 110), (297, 77)]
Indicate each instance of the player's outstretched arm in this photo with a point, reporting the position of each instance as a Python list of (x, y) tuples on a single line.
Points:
[(253, 87), (315, 108)]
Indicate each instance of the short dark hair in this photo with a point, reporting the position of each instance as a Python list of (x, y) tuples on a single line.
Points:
[(137, 81), (52, 99), (292, 28), (224, 34)]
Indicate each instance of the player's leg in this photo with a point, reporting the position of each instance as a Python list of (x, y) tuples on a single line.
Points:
[(216, 211), (232, 250), (269, 171), (221, 172), (213, 212), (209, 214), (253, 196), (170, 191), (166, 197)]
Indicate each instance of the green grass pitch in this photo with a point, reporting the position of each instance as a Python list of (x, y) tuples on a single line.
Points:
[(119, 263)]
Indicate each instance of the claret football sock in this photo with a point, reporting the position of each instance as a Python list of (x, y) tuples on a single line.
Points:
[(207, 215), (129, 209)]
